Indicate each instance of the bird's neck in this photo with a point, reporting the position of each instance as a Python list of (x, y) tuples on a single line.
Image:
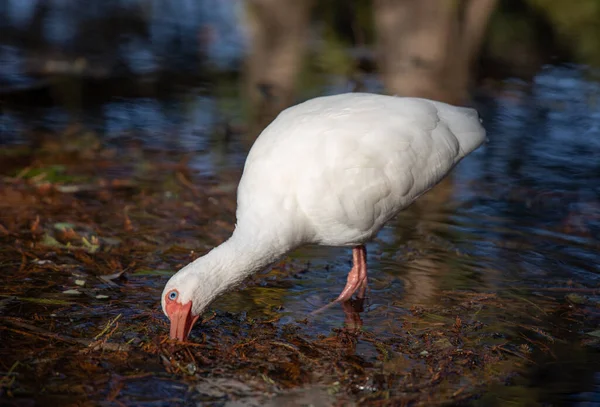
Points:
[(242, 255)]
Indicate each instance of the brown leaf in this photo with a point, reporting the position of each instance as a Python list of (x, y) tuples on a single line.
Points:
[(35, 224)]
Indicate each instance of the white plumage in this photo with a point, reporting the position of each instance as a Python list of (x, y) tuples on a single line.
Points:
[(331, 171)]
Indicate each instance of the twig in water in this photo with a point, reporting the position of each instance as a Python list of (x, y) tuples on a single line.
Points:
[(95, 345), (108, 325)]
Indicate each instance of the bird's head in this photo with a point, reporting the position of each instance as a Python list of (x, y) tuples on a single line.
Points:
[(183, 302), (195, 286)]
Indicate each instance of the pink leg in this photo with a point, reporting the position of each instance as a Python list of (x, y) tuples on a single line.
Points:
[(357, 278), (357, 281)]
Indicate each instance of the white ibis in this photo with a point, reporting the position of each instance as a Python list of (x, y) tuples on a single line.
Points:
[(329, 171)]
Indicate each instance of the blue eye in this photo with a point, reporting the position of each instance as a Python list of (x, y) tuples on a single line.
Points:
[(173, 295)]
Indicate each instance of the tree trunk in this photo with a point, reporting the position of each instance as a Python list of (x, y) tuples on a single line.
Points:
[(278, 32), (427, 47)]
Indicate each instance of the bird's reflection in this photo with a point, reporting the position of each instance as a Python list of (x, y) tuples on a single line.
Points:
[(352, 310)]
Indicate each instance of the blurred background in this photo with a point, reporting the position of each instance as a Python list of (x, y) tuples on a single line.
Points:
[(193, 82), (186, 73)]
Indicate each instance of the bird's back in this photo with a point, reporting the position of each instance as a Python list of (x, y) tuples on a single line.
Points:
[(334, 169)]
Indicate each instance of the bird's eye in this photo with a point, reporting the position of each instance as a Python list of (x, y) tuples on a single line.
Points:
[(173, 295)]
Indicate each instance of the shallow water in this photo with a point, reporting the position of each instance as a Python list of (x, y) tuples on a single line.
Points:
[(518, 219)]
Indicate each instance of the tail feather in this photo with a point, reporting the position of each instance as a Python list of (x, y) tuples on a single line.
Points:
[(465, 123)]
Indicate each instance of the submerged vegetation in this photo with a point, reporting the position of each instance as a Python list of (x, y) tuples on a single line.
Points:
[(88, 243)]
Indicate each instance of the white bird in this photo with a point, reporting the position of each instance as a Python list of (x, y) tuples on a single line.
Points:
[(329, 171)]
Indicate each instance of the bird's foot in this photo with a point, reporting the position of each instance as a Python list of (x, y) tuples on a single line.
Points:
[(346, 300), (358, 287), (349, 290), (357, 280)]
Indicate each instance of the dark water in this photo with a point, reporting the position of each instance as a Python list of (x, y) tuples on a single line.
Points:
[(518, 216)]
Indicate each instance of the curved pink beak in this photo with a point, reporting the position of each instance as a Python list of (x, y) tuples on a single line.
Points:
[(182, 319)]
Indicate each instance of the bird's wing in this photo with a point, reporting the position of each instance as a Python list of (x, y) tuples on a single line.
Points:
[(364, 170), (355, 187)]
